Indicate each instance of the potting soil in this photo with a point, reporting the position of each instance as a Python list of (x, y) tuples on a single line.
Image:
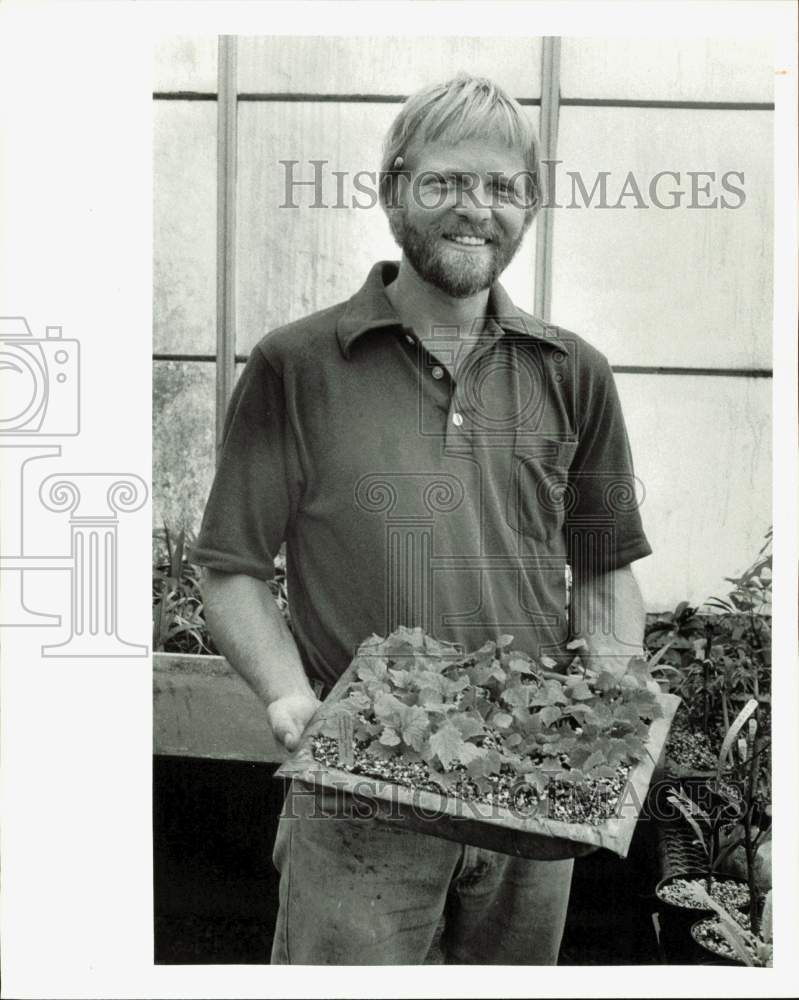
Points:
[(592, 800)]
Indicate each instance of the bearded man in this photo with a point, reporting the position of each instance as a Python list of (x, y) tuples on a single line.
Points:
[(432, 456)]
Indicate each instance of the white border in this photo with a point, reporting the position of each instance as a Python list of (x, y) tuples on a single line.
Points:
[(76, 896)]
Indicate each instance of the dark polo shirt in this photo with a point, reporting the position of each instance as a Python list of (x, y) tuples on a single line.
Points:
[(405, 497)]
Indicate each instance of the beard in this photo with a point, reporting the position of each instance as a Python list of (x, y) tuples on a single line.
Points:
[(458, 273)]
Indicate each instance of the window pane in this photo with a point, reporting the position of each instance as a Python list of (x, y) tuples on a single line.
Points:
[(660, 286), (183, 442), (185, 63), (292, 261), (384, 65), (184, 227), (668, 69), (702, 449)]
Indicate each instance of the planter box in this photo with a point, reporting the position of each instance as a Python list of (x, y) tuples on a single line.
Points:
[(487, 825), (203, 708)]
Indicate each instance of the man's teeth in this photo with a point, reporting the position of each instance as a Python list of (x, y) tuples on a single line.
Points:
[(471, 241)]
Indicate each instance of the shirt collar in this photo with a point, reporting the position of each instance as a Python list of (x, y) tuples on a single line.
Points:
[(371, 309)]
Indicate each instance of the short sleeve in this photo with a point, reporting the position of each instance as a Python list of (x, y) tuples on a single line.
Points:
[(256, 486), (603, 523)]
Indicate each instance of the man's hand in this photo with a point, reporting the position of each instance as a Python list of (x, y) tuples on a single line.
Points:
[(251, 632), (608, 614), (289, 716)]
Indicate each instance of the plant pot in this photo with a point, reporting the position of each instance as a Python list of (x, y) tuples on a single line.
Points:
[(672, 890), (712, 948), (676, 920)]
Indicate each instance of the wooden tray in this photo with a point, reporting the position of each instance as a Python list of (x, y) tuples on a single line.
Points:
[(481, 824)]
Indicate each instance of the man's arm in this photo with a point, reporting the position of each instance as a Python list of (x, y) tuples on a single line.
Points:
[(608, 613), (250, 631)]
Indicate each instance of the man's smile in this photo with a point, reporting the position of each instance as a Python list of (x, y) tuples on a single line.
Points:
[(468, 241)]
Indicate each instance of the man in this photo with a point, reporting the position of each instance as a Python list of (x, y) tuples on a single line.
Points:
[(431, 456)]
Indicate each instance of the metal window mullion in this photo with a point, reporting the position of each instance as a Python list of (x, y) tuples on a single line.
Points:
[(226, 139), (550, 106)]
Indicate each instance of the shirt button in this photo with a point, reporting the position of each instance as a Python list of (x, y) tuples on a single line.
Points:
[(438, 372), (457, 419)]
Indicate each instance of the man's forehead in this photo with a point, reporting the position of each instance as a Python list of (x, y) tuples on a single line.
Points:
[(488, 153)]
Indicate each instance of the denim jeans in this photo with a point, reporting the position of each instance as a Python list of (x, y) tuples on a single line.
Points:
[(369, 891)]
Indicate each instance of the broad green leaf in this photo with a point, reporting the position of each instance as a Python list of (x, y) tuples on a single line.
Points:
[(372, 668), (489, 762), (414, 727), (592, 760), (581, 691), (549, 693), (520, 664), (388, 708), (550, 714), (430, 697), (446, 743), (389, 737), (358, 700), (469, 752), (517, 697), (381, 751), (468, 726)]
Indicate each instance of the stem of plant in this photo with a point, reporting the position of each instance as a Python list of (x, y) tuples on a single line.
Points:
[(706, 680), (750, 846)]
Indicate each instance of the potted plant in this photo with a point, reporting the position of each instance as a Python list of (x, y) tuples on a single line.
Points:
[(729, 938), (722, 808), (727, 813)]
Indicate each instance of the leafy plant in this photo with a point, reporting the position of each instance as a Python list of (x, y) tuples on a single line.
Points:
[(739, 803), (493, 711), (751, 946), (178, 620), (179, 624), (718, 656)]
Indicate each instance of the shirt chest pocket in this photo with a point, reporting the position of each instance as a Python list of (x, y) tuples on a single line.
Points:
[(538, 493)]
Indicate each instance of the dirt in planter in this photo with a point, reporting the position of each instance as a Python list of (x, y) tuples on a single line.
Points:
[(682, 892), (593, 800), (691, 749), (708, 933)]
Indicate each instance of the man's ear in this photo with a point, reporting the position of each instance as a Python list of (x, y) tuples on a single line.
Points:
[(399, 181)]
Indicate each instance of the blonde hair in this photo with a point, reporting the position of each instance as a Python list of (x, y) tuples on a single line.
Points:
[(462, 108)]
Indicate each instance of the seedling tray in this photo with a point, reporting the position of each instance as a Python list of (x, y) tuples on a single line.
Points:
[(525, 828)]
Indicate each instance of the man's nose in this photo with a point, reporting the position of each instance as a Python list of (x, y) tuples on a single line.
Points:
[(473, 204)]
